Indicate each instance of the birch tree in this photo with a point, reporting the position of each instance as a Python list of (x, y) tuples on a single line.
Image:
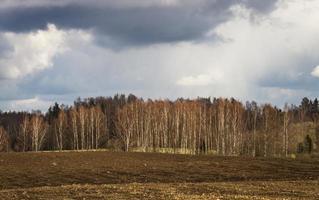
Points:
[(4, 140), (38, 131)]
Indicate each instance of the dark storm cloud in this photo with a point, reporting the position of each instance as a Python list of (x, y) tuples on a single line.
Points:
[(129, 25), (135, 25), (260, 5)]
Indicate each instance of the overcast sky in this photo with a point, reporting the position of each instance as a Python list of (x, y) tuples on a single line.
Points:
[(260, 50)]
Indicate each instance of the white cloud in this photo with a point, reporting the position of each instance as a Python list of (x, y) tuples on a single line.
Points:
[(315, 71), (35, 51), (30, 51), (259, 45), (200, 80), (28, 104)]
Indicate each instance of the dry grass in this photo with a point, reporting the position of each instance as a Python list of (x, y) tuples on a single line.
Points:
[(215, 190)]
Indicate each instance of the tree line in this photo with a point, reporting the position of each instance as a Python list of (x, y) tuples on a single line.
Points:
[(218, 126)]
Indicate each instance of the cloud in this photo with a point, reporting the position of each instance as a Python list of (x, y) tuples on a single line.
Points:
[(257, 4), (30, 52), (265, 53), (203, 79), (28, 59), (200, 80), (315, 72), (126, 23), (26, 53), (275, 50), (28, 104), (5, 4)]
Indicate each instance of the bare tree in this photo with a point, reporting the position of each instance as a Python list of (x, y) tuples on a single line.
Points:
[(24, 135), (287, 116), (125, 125), (82, 122), (38, 131), (4, 140), (74, 128), (61, 129)]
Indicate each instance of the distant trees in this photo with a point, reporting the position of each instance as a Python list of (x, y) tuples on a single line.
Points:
[(199, 126)]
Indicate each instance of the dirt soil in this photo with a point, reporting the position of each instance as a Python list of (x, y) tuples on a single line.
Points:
[(118, 175)]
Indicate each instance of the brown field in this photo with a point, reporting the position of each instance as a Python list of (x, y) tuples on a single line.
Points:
[(116, 175)]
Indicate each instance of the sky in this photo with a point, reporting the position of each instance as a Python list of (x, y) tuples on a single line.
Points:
[(56, 51)]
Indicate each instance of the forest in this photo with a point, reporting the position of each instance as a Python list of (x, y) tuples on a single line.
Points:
[(217, 126)]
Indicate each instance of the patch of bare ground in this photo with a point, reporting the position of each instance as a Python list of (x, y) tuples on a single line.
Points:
[(116, 175)]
